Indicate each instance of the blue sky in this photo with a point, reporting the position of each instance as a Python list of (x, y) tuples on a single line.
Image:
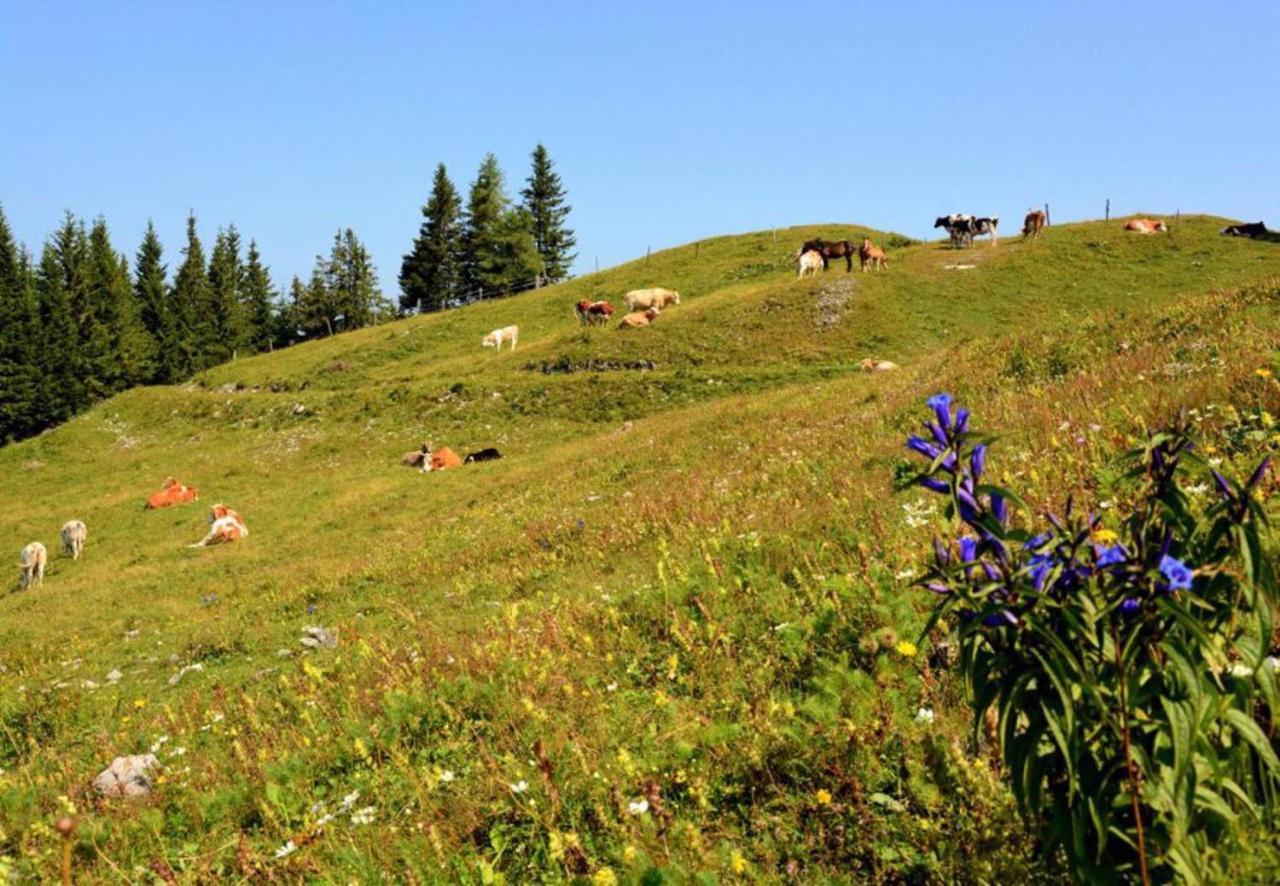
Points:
[(668, 121)]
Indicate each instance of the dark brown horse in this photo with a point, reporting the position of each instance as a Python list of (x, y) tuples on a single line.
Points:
[(832, 249)]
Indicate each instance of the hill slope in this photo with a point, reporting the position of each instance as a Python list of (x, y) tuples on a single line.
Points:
[(668, 580)]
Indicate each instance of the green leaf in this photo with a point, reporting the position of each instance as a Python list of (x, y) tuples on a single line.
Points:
[(1247, 729)]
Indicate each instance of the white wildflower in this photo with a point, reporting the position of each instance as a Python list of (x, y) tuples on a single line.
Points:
[(1241, 670), (363, 816), (924, 715), (287, 849), (612, 687), (350, 800), (905, 575), (1273, 662), (159, 743), (638, 807), (114, 676), (519, 787), (178, 751), (447, 776)]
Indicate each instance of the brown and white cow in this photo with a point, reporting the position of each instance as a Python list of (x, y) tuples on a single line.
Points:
[(592, 312), (439, 459), (225, 526), (1034, 223), (1146, 226), (870, 255)]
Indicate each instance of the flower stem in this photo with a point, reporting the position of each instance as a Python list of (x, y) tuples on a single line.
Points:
[(1130, 767)]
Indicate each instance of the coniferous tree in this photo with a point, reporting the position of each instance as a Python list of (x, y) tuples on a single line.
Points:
[(514, 262), (226, 274), (256, 300), (486, 205), (544, 198), (314, 305), (62, 389), (190, 301), (19, 374), (289, 321), (119, 352), (430, 273), (353, 282), (156, 312)]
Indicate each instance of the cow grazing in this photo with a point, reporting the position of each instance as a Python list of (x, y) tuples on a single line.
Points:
[(592, 312), (439, 459), (656, 297), (73, 535), (498, 336), (1146, 226), (488, 454), (870, 255), (172, 493), (808, 262), (1254, 229), (31, 561), (830, 249), (225, 526), (637, 319), (1034, 223), (873, 365), (963, 228)]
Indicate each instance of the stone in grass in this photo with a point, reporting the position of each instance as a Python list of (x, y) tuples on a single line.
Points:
[(127, 777), (316, 637)]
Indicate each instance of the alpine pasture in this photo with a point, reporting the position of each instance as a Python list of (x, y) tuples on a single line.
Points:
[(671, 633)]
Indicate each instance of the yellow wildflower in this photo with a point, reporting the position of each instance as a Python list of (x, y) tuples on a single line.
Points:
[(139, 702), (629, 854), (823, 796), (906, 648), (1262, 372), (604, 877), (1105, 537), (737, 863)]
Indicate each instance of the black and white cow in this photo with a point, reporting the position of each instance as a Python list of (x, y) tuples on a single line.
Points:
[(1253, 229), (963, 228)]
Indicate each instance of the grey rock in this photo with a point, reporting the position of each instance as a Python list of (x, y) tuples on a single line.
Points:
[(127, 777)]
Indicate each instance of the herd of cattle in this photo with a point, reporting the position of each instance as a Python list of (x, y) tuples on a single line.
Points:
[(225, 525), (643, 306)]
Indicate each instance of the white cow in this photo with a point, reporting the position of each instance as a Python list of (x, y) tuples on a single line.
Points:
[(657, 297), (808, 262), (498, 336), (73, 536), (31, 561)]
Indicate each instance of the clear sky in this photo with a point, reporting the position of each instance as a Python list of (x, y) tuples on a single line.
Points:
[(668, 121)]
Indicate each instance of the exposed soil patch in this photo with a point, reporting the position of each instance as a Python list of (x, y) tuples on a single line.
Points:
[(591, 364), (832, 300)]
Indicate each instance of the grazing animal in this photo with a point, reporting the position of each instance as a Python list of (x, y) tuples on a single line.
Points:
[(592, 312), (808, 262), (439, 459), (173, 493), (1253, 229), (414, 459), (225, 526), (873, 365), (1034, 223), (73, 535), (871, 255), (488, 454), (830, 249), (657, 297), (498, 336), (638, 318), (963, 228), (1146, 226), (31, 561)]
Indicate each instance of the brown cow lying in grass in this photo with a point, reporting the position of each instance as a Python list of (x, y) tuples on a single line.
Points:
[(173, 493), (439, 459), (1146, 226), (638, 318)]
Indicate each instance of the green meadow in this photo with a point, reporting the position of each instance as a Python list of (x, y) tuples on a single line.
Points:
[(671, 636)]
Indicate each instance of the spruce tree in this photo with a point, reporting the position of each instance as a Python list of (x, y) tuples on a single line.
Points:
[(314, 306), (19, 341), (544, 198), (256, 300), (514, 262), (430, 273), (62, 388), (352, 282), (119, 352), (190, 301), (486, 205), (156, 312), (226, 326)]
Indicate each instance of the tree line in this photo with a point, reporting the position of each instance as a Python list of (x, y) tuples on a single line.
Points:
[(84, 322), (492, 246)]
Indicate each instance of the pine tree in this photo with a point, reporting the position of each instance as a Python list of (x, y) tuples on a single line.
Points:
[(289, 321), (544, 198), (256, 300), (486, 206), (155, 310), (314, 306), (514, 262), (430, 274), (62, 389), (19, 348), (119, 352), (352, 282), (226, 273), (190, 300)]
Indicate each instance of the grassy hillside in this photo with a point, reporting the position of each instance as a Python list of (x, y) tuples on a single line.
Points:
[(685, 580)]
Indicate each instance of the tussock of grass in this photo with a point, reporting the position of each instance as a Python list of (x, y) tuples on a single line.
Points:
[(683, 584)]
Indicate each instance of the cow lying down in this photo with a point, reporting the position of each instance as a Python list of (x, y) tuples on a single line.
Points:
[(225, 525)]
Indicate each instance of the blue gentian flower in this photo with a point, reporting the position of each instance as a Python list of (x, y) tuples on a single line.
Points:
[(938, 433), (1038, 542), (962, 420), (1176, 573), (1223, 486), (938, 587), (1041, 566), (968, 549), (1110, 556), (978, 460), (936, 485), (941, 406), (922, 446), (1000, 509), (1130, 605)]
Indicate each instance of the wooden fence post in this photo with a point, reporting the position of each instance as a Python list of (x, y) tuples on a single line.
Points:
[(1046, 215), (1108, 209)]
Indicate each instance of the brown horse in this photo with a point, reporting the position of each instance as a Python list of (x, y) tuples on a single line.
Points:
[(832, 249)]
